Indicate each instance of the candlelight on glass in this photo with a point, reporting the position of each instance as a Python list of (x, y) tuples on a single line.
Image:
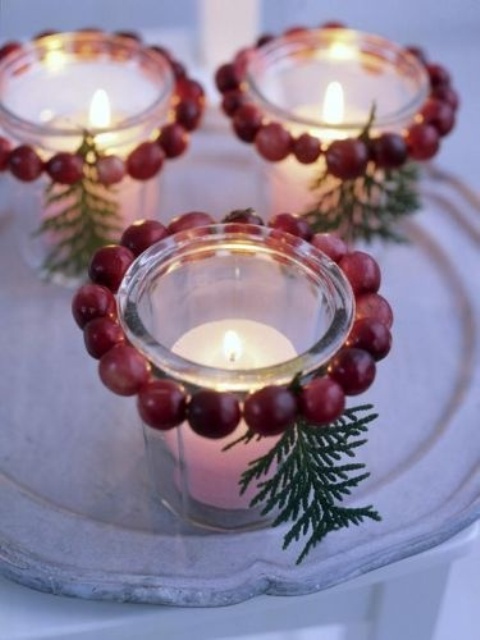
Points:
[(327, 83), (229, 310), (91, 94)]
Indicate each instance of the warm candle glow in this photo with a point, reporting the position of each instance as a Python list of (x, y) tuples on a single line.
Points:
[(99, 115), (343, 51), (232, 346), (56, 60), (333, 104)]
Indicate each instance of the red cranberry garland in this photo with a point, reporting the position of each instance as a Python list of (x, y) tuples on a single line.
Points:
[(143, 162), (365, 182), (269, 411), (346, 158)]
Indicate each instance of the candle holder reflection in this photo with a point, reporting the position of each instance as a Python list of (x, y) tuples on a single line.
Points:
[(87, 120), (342, 119)]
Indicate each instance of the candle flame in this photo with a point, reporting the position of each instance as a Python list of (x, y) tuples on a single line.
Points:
[(333, 104), (232, 346), (99, 116)]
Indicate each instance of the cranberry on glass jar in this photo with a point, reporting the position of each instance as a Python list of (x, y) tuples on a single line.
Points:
[(87, 124)]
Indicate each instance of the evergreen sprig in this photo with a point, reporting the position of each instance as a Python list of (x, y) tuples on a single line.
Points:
[(81, 217), (303, 478), (367, 207)]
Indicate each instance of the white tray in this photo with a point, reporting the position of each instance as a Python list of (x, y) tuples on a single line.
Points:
[(76, 513)]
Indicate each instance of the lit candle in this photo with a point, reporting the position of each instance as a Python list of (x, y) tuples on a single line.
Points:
[(53, 90), (213, 474), (291, 180), (325, 82)]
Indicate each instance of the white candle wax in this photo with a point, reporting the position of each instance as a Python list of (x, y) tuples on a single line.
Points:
[(213, 474), (290, 180)]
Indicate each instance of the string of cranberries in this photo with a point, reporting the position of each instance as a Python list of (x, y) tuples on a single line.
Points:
[(164, 403), (347, 158), (142, 163)]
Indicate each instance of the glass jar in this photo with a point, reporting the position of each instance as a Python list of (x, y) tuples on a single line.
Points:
[(231, 308), (328, 83), (92, 94)]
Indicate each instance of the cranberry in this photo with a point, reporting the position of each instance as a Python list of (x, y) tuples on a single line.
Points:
[(65, 168), (273, 142), (265, 38), (439, 76), (110, 170), (162, 51), (448, 95), (178, 69), (423, 141), (227, 78), (295, 225), (162, 404), (145, 161), (243, 216), (173, 139), (44, 34), (232, 100), (92, 301), (188, 113), (362, 272), (142, 234), (333, 24), (213, 414), (418, 53), (322, 400), (389, 150), (25, 164), (291, 31), (307, 148), (373, 305), (190, 220), (109, 264), (439, 114), (8, 48), (347, 159), (188, 89), (247, 121), (5, 148), (371, 335), (331, 245), (130, 35), (270, 410), (123, 370), (100, 335), (354, 370)]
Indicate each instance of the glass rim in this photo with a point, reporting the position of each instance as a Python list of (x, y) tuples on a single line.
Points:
[(14, 121), (245, 239), (317, 39)]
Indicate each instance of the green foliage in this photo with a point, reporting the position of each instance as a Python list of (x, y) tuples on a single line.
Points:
[(369, 206), (304, 477), (80, 218)]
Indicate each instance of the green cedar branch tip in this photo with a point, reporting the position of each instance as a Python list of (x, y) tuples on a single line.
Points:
[(81, 217), (311, 478)]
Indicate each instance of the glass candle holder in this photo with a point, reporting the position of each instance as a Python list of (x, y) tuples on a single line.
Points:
[(103, 100), (327, 82), (340, 117), (230, 308)]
